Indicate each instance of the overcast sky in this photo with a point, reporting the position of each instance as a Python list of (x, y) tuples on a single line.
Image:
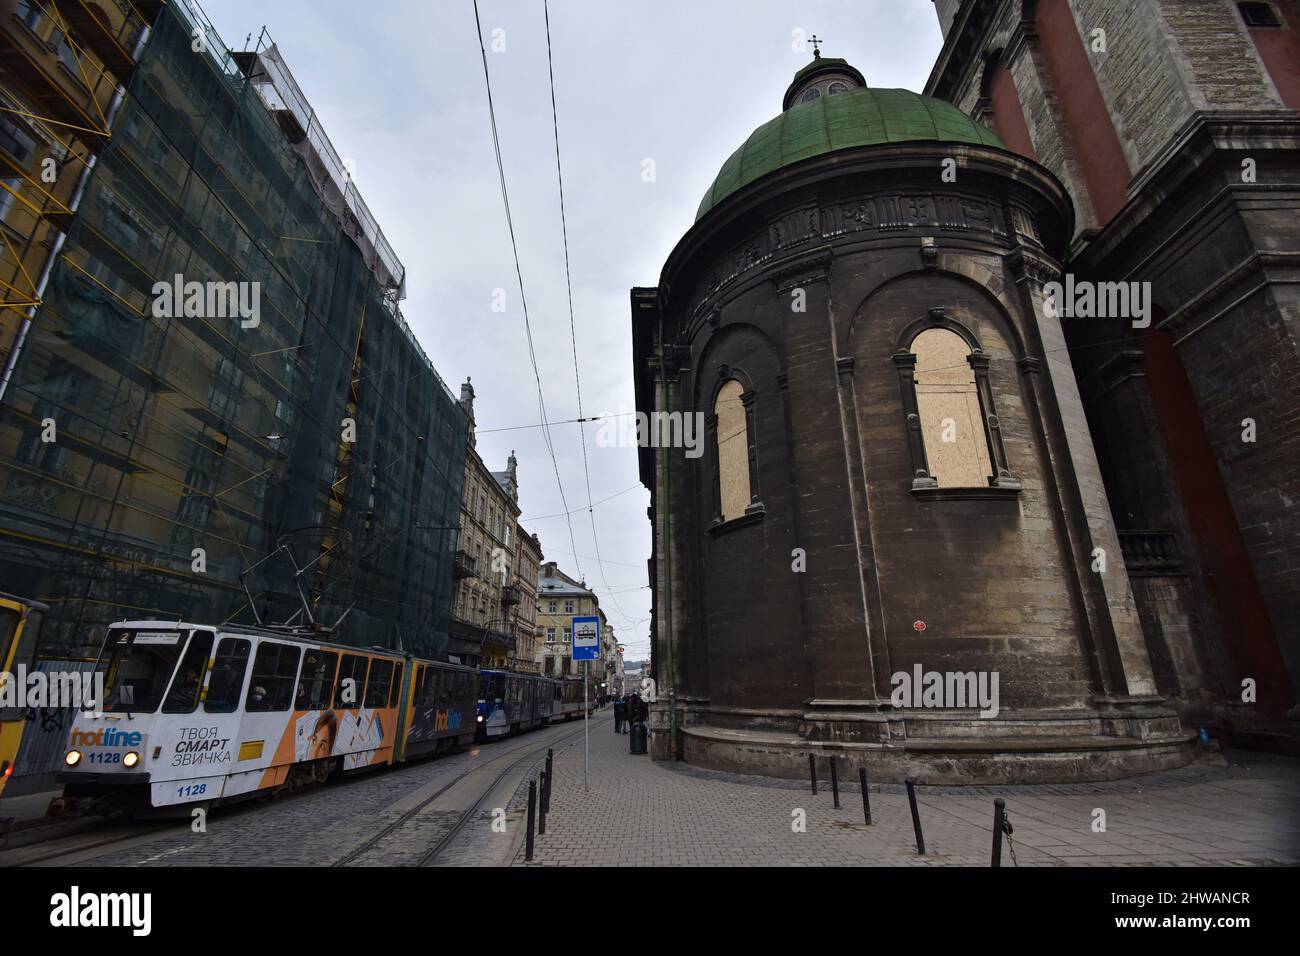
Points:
[(399, 87)]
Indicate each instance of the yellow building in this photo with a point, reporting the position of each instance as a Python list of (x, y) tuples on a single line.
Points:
[(61, 69), (560, 599)]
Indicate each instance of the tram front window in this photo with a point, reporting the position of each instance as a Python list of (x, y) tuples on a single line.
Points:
[(8, 625), (139, 669)]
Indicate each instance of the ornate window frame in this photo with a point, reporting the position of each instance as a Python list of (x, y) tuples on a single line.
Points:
[(1003, 482), (755, 510)]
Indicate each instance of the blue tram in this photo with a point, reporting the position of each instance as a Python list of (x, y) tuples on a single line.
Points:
[(510, 703)]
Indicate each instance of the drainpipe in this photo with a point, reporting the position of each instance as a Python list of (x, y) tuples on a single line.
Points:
[(668, 564), (43, 281)]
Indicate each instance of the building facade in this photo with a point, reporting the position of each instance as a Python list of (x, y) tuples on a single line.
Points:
[(1189, 195), (216, 402), (63, 72), (525, 569), (560, 599), (485, 628), (888, 551)]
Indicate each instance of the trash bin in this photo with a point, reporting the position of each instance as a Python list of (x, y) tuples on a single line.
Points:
[(639, 736)]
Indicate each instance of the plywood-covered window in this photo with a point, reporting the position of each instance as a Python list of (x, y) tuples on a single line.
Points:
[(948, 404), (733, 450)]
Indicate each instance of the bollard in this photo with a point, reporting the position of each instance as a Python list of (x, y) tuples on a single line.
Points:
[(835, 784), (541, 805), (548, 779), (916, 819), (532, 811), (866, 799), (812, 770), (999, 810)]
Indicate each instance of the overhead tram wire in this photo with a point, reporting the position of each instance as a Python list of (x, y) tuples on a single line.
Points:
[(519, 275), (568, 283)]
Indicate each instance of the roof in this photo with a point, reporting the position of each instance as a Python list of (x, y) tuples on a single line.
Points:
[(848, 120), (822, 64)]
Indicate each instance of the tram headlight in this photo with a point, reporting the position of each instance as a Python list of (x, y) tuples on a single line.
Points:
[(72, 758), (131, 759), (480, 718)]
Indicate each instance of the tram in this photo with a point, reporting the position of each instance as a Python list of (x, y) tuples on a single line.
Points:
[(196, 713), (568, 698), (510, 703)]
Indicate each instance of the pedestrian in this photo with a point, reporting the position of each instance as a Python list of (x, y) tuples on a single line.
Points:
[(620, 715), (627, 713)]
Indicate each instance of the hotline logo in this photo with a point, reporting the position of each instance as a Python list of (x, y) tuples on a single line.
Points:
[(446, 720), (106, 737)]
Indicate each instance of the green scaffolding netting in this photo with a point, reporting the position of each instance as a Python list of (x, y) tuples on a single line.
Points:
[(183, 432)]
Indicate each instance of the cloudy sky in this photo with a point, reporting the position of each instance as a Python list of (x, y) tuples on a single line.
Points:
[(680, 82)]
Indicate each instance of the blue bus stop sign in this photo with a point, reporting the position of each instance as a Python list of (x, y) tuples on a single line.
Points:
[(586, 638)]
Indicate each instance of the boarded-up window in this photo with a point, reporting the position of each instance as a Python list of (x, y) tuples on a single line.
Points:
[(733, 450), (949, 405)]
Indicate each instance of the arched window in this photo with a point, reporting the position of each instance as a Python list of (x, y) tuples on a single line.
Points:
[(733, 449), (810, 95), (837, 87), (949, 407), (955, 435)]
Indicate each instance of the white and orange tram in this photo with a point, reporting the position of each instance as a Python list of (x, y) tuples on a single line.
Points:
[(201, 713)]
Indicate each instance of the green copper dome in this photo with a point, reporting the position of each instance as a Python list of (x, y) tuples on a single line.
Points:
[(845, 120)]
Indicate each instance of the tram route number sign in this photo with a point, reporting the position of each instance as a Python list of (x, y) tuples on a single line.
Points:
[(586, 638)]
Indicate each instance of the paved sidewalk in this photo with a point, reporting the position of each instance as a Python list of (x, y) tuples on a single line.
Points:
[(642, 812)]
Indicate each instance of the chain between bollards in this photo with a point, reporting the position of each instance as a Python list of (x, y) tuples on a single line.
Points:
[(916, 819), (999, 815), (812, 771), (866, 799), (532, 813)]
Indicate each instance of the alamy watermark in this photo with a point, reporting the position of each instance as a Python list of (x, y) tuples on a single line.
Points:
[(57, 689), (75, 909), (628, 429), (1099, 300), (946, 689), (208, 300)]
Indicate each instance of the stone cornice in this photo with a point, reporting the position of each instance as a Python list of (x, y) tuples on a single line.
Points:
[(1191, 151)]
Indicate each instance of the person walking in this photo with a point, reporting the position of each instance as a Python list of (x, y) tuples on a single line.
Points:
[(620, 714)]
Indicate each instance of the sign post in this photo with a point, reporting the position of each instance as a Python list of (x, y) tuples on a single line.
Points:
[(586, 648)]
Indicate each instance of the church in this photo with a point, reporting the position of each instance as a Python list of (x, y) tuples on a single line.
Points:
[(917, 463)]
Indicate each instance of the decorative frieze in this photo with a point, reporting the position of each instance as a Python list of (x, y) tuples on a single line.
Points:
[(882, 214)]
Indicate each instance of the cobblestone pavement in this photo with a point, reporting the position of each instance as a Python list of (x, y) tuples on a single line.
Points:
[(643, 812), (322, 826)]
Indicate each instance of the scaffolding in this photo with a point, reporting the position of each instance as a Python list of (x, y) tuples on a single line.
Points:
[(199, 453)]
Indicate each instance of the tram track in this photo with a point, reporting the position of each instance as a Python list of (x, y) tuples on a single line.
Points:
[(99, 840), (121, 831), (527, 752)]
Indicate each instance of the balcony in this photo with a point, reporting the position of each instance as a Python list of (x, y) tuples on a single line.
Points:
[(111, 31), (465, 565), (510, 595)]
